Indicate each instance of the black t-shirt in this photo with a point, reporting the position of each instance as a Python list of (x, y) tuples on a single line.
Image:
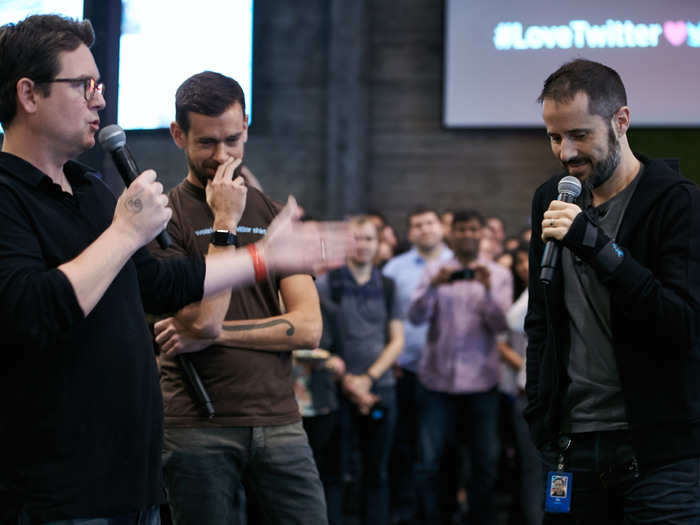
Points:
[(81, 412)]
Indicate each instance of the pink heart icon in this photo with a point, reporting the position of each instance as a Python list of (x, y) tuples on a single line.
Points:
[(675, 32)]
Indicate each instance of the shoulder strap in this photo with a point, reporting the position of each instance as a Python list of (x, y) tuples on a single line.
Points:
[(335, 282), (388, 286)]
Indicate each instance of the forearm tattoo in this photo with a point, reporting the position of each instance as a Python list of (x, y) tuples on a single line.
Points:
[(246, 327)]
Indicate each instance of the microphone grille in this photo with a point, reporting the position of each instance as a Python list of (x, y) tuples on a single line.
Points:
[(570, 185), (111, 137)]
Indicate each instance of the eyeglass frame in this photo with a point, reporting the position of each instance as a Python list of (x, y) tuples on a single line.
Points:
[(89, 84)]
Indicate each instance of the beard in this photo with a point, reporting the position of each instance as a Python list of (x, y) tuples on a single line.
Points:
[(603, 169), (203, 172)]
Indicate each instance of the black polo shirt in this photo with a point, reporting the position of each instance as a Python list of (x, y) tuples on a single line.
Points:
[(80, 403)]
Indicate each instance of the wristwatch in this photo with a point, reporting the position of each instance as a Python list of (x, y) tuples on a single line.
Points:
[(223, 238)]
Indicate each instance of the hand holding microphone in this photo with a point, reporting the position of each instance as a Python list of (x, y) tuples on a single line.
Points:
[(142, 208), (555, 224)]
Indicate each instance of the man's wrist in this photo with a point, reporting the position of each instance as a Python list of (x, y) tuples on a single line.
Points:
[(590, 243), (223, 237)]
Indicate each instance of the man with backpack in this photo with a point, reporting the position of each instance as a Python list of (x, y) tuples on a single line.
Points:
[(369, 338)]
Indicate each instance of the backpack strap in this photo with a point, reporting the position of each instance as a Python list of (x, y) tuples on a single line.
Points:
[(335, 282), (388, 286)]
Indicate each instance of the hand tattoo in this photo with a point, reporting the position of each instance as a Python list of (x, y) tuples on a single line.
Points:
[(134, 205)]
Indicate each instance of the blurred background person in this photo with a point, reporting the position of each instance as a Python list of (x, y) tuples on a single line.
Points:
[(425, 235), (369, 334), (528, 496), (464, 301)]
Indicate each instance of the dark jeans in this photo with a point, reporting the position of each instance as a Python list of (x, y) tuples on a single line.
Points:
[(403, 453), (373, 438), (148, 517), (324, 438), (204, 469), (437, 416), (607, 489), (531, 495)]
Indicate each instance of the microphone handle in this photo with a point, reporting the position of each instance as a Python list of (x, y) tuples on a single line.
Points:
[(550, 256), (127, 168), (196, 384)]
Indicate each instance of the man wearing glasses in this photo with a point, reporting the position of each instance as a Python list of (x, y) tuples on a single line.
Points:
[(613, 358), (81, 410)]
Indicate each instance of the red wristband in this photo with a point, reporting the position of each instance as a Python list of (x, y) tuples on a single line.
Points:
[(258, 263)]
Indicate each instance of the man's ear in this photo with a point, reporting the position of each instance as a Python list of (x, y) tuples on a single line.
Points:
[(26, 95), (245, 129), (179, 136), (621, 121)]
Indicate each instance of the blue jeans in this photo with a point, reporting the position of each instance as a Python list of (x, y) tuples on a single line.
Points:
[(437, 431), (373, 438), (204, 469), (148, 517), (608, 487)]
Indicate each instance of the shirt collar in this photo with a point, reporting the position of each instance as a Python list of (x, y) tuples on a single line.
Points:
[(26, 172), (193, 190), (445, 254), (374, 279)]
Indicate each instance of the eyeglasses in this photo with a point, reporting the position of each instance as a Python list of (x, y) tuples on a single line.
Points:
[(90, 85)]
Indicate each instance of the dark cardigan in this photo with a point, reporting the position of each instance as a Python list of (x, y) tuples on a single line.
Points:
[(655, 302)]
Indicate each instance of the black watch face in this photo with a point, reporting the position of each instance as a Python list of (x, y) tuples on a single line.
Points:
[(223, 238)]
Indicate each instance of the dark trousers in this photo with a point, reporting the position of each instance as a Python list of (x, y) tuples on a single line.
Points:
[(148, 517), (373, 438), (403, 452), (324, 438), (531, 494), (437, 415), (607, 487), (204, 469)]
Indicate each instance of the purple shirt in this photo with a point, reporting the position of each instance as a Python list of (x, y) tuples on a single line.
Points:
[(460, 354)]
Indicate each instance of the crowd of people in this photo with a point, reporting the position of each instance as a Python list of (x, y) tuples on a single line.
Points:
[(416, 364), (423, 347)]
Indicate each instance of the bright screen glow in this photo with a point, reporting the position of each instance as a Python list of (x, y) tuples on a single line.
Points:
[(15, 10), (498, 54), (165, 42)]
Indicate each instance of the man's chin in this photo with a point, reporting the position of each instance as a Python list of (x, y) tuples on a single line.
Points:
[(581, 172)]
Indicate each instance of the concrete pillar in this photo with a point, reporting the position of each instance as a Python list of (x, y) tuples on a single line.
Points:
[(347, 177)]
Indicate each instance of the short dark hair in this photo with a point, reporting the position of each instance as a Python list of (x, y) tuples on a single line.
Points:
[(420, 210), (30, 49), (207, 93), (466, 216), (603, 85)]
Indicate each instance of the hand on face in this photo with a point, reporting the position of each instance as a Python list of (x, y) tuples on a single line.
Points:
[(142, 211), (226, 196), (557, 219)]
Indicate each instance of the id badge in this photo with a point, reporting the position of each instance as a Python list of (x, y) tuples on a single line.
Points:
[(558, 496)]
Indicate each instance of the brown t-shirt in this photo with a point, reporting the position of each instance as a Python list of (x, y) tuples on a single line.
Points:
[(247, 387)]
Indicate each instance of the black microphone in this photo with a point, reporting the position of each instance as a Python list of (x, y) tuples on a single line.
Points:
[(113, 139), (196, 384), (569, 188)]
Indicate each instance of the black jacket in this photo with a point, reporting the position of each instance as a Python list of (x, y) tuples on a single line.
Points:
[(654, 314)]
